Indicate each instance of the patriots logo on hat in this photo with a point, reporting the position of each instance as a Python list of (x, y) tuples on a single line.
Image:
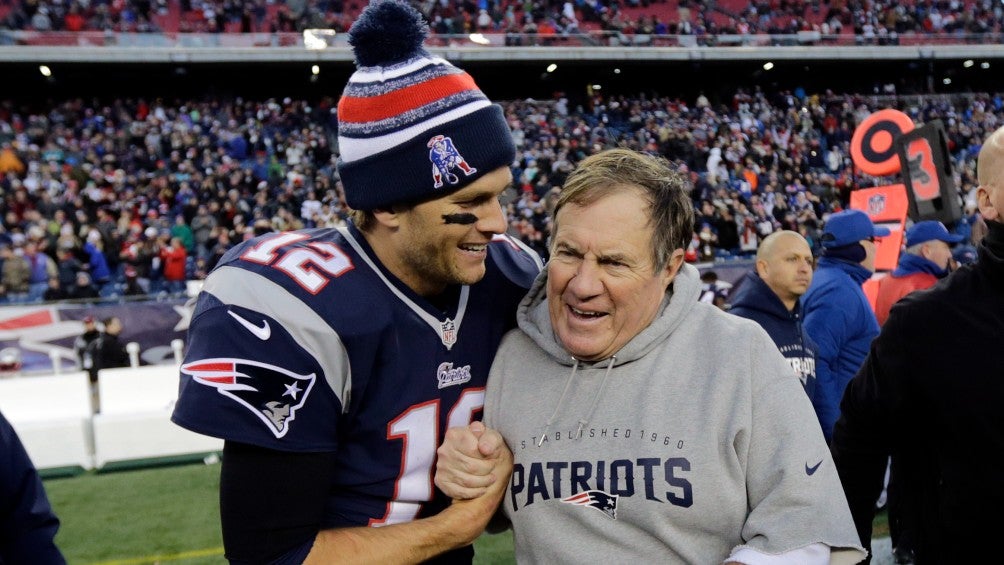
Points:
[(272, 393), (876, 204), (597, 499), (445, 160)]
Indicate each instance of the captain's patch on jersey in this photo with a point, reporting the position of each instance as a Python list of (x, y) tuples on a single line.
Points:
[(271, 393)]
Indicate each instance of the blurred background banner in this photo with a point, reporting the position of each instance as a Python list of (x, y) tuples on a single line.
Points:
[(41, 331)]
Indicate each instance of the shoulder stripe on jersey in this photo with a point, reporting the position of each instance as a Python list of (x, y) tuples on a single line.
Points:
[(240, 287), (526, 248), (433, 322)]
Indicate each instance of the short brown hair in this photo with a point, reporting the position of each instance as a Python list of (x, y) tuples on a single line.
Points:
[(671, 213), (363, 219)]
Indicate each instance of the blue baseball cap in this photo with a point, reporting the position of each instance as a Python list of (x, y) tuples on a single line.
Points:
[(850, 226), (929, 230)]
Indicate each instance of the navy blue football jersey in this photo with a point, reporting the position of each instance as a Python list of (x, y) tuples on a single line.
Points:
[(302, 341)]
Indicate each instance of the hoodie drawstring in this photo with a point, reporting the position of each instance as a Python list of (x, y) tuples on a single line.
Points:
[(561, 399), (596, 399)]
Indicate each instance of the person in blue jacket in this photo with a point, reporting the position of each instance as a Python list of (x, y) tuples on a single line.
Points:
[(838, 316), (27, 523), (769, 295)]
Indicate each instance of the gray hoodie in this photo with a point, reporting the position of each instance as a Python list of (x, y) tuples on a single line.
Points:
[(690, 443)]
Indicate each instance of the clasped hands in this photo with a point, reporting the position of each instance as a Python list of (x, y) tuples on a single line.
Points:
[(473, 461)]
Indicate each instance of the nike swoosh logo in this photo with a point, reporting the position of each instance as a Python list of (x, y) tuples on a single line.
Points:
[(811, 470), (262, 332)]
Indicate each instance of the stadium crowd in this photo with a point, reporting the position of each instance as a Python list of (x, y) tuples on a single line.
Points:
[(136, 196), (880, 22)]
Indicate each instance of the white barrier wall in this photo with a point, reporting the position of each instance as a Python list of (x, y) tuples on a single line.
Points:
[(134, 421), (52, 416)]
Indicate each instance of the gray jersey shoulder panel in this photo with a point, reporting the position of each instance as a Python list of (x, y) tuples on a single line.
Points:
[(233, 285)]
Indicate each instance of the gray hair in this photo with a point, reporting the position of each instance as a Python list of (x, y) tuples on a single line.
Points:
[(671, 214)]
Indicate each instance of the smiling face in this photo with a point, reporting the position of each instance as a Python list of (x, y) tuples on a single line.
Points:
[(432, 253), (602, 286)]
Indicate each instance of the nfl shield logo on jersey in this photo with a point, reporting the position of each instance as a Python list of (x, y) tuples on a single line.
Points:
[(448, 333)]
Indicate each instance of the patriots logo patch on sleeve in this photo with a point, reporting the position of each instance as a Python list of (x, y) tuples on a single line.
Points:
[(596, 499), (271, 393)]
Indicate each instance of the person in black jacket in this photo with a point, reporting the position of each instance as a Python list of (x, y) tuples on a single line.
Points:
[(27, 523), (110, 351), (770, 297), (83, 348), (930, 394)]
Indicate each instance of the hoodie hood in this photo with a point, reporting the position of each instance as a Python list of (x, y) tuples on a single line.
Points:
[(754, 294), (683, 293), (910, 264)]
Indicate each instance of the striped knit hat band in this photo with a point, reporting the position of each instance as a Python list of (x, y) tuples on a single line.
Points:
[(411, 126)]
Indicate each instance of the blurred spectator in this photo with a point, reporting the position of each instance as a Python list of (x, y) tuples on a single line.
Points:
[(14, 275), (68, 265), (40, 268), (221, 246), (9, 161), (131, 287), (713, 290), (174, 257), (202, 229), (925, 259), (97, 263), (83, 288), (55, 292), (184, 233), (82, 347), (108, 350)]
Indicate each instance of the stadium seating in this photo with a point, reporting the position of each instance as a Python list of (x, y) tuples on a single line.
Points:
[(52, 415), (134, 419)]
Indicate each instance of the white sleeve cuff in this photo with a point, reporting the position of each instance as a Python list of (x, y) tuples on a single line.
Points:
[(813, 554)]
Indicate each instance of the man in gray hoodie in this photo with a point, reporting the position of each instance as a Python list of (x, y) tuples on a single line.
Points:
[(644, 425)]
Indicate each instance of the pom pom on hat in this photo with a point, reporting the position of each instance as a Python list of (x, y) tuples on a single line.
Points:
[(387, 32), (411, 126)]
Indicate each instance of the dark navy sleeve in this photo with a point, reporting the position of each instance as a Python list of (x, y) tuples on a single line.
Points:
[(27, 522), (517, 262), (251, 377)]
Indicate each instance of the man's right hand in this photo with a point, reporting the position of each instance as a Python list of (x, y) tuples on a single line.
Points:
[(470, 460)]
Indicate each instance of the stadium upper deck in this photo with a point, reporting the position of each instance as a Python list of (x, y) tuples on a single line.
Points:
[(587, 22)]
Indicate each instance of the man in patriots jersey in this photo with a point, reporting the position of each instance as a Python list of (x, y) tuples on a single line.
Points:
[(333, 360)]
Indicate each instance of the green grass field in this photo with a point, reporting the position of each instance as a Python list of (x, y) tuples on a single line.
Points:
[(162, 515), (171, 515)]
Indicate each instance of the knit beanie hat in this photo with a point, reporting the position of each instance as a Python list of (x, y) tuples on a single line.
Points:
[(411, 126)]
